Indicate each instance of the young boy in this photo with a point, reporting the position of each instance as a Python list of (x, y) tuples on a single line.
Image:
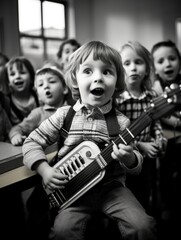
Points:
[(51, 90), (94, 75)]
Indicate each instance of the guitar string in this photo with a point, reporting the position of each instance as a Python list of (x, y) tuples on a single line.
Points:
[(92, 168)]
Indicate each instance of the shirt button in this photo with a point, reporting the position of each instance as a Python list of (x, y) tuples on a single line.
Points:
[(89, 119)]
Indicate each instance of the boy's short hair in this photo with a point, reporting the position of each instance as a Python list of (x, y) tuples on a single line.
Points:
[(167, 43), (102, 52), (52, 70)]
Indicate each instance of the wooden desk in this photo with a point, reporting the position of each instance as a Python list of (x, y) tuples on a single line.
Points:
[(20, 178)]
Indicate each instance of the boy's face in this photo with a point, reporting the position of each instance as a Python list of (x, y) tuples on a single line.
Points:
[(96, 81), (134, 65), (166, 63), (19, 79), (68, 49), (50, 90)]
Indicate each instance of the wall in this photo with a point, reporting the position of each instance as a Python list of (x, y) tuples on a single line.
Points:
[(111, 21), (9, 27), (118, 21)]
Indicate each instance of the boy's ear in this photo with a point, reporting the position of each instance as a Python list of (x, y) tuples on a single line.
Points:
[(65, 90)]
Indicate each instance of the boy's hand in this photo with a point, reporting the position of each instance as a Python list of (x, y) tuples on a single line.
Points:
[(53, 179), (150, 149), (17, 140), (124, 153)]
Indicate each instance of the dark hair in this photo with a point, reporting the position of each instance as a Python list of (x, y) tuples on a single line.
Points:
[(100, 51), (51, 69), (20, 61), (72, 41), (167, 43)]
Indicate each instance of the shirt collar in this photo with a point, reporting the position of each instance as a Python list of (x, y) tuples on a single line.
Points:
[(127, 95), (103, 109)]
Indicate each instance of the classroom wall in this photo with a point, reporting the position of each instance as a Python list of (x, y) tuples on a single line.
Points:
[(118, 21), (110, 21)]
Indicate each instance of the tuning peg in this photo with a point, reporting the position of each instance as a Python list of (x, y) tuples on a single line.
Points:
[(174, 86), (170, 100)]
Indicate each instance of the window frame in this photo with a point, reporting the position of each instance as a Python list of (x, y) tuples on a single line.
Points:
[(42, 37)]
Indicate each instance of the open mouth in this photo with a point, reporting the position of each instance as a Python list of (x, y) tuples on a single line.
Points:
[(169, 72), (97, 91), (18, 83), (48, 94)]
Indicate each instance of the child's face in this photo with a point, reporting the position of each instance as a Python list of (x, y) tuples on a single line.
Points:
[(166, 63), (134, 65), (19, 79), (68, 49), (96, 81), (50, 89)]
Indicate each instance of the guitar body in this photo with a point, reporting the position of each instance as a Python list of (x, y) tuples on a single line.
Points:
[(79, 165)]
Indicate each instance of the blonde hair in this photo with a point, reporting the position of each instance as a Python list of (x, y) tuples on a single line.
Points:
[(146, 55), (100, 51)]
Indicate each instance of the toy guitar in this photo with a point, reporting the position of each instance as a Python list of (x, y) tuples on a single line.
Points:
[(85, 164)]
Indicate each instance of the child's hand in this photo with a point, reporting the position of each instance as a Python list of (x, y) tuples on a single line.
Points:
[(124, 153), (53, 179), (17, 140), (149, 149)]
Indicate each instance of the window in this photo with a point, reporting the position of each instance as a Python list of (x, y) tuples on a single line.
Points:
[(178, 33), (42, 27)]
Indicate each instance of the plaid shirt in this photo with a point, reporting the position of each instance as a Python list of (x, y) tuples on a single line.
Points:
[(87, 124), (133, 107)]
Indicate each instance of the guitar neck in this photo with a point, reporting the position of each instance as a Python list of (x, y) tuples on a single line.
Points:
[(127, 136)]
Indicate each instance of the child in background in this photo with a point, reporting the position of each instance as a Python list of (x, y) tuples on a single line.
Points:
[(167, 64), (66, 49), (94, 75), (51, 91), (132, 102), (23, 97)]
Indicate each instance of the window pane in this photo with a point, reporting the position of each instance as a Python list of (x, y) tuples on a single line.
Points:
[(29, 17), (33, 50), (52, 49), (53, 19)]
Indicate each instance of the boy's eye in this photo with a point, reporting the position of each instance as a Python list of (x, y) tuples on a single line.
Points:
[(173, 58), (52, 81), (139, 61), (12, 74), (87, 70), (39, 83), (160, 61), (126, 63), (108, 71), (67, 51)]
